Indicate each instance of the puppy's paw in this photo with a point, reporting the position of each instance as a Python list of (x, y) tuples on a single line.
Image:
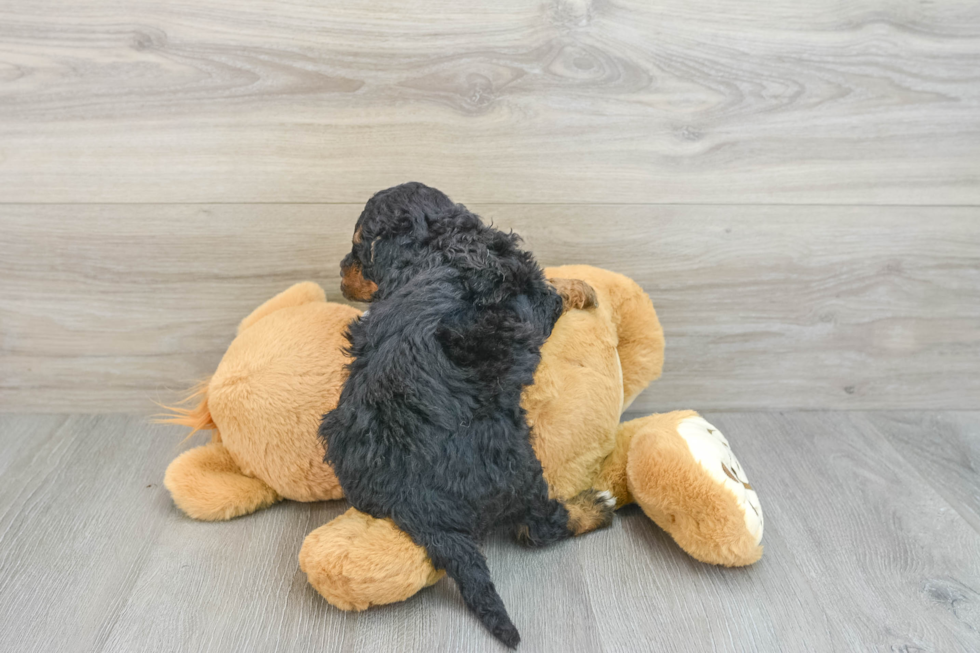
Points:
[(608, 498), (590, 510), (575, 293)]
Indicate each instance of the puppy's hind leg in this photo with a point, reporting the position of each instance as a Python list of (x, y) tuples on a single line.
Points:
[(550, 520), (590, 510)]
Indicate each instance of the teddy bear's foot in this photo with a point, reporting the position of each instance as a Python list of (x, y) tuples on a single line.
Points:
[(356, 561), (682, 472), (206, 483)]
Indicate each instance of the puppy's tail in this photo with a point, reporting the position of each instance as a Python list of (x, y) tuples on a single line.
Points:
[(459, 555)]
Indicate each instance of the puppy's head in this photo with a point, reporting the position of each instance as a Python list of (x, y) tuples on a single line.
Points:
[(390, 234)]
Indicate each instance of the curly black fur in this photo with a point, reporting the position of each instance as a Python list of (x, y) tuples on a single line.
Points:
[(429, 430)]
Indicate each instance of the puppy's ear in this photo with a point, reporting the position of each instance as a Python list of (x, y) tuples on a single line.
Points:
[(388, 255)]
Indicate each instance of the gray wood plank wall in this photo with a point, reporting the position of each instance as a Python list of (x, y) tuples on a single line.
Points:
[(795, 184), (869, 101)]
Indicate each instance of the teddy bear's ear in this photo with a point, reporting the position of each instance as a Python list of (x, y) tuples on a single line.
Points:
[(296, 295)]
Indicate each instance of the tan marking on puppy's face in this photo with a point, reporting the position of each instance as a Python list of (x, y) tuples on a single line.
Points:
[(353, 284), (357, 236)]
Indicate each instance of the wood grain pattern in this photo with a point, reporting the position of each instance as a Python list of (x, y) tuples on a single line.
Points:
[(862, 553), (866, 102), (81, 505), (105, 307), (944, 448)]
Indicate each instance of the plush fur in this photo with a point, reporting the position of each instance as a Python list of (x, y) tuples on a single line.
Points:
[(208, 484), (288, 357), (356, 574), (261, 397), (592, 366), (429, 430), (708, 520)]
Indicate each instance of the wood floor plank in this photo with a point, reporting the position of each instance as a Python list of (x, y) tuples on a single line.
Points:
[(227, 588), (870, 102), (944, 448), (237, 586), (107, 307), (862, 553), (81, 508), (20, 438), (664, 600), (893, 567)]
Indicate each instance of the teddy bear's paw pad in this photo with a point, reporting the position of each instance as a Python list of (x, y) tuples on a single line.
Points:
[(712, 451), (589, 510)]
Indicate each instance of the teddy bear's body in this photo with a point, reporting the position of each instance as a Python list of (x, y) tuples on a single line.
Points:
[(263, 403), (286, 368)]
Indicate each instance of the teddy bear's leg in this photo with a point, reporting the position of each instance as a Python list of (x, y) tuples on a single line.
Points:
[(356, 561), (296, 295), (206, 484), (681, 470)]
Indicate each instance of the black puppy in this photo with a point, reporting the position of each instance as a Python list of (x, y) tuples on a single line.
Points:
[(429, 430)]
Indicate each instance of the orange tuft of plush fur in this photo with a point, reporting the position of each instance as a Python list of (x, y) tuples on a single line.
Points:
[(197, 418), (356, 561)]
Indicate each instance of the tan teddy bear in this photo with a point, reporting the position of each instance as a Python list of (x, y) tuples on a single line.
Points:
[(286, 368)]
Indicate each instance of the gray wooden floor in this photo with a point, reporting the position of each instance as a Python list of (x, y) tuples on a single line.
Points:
[(872, 543)]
